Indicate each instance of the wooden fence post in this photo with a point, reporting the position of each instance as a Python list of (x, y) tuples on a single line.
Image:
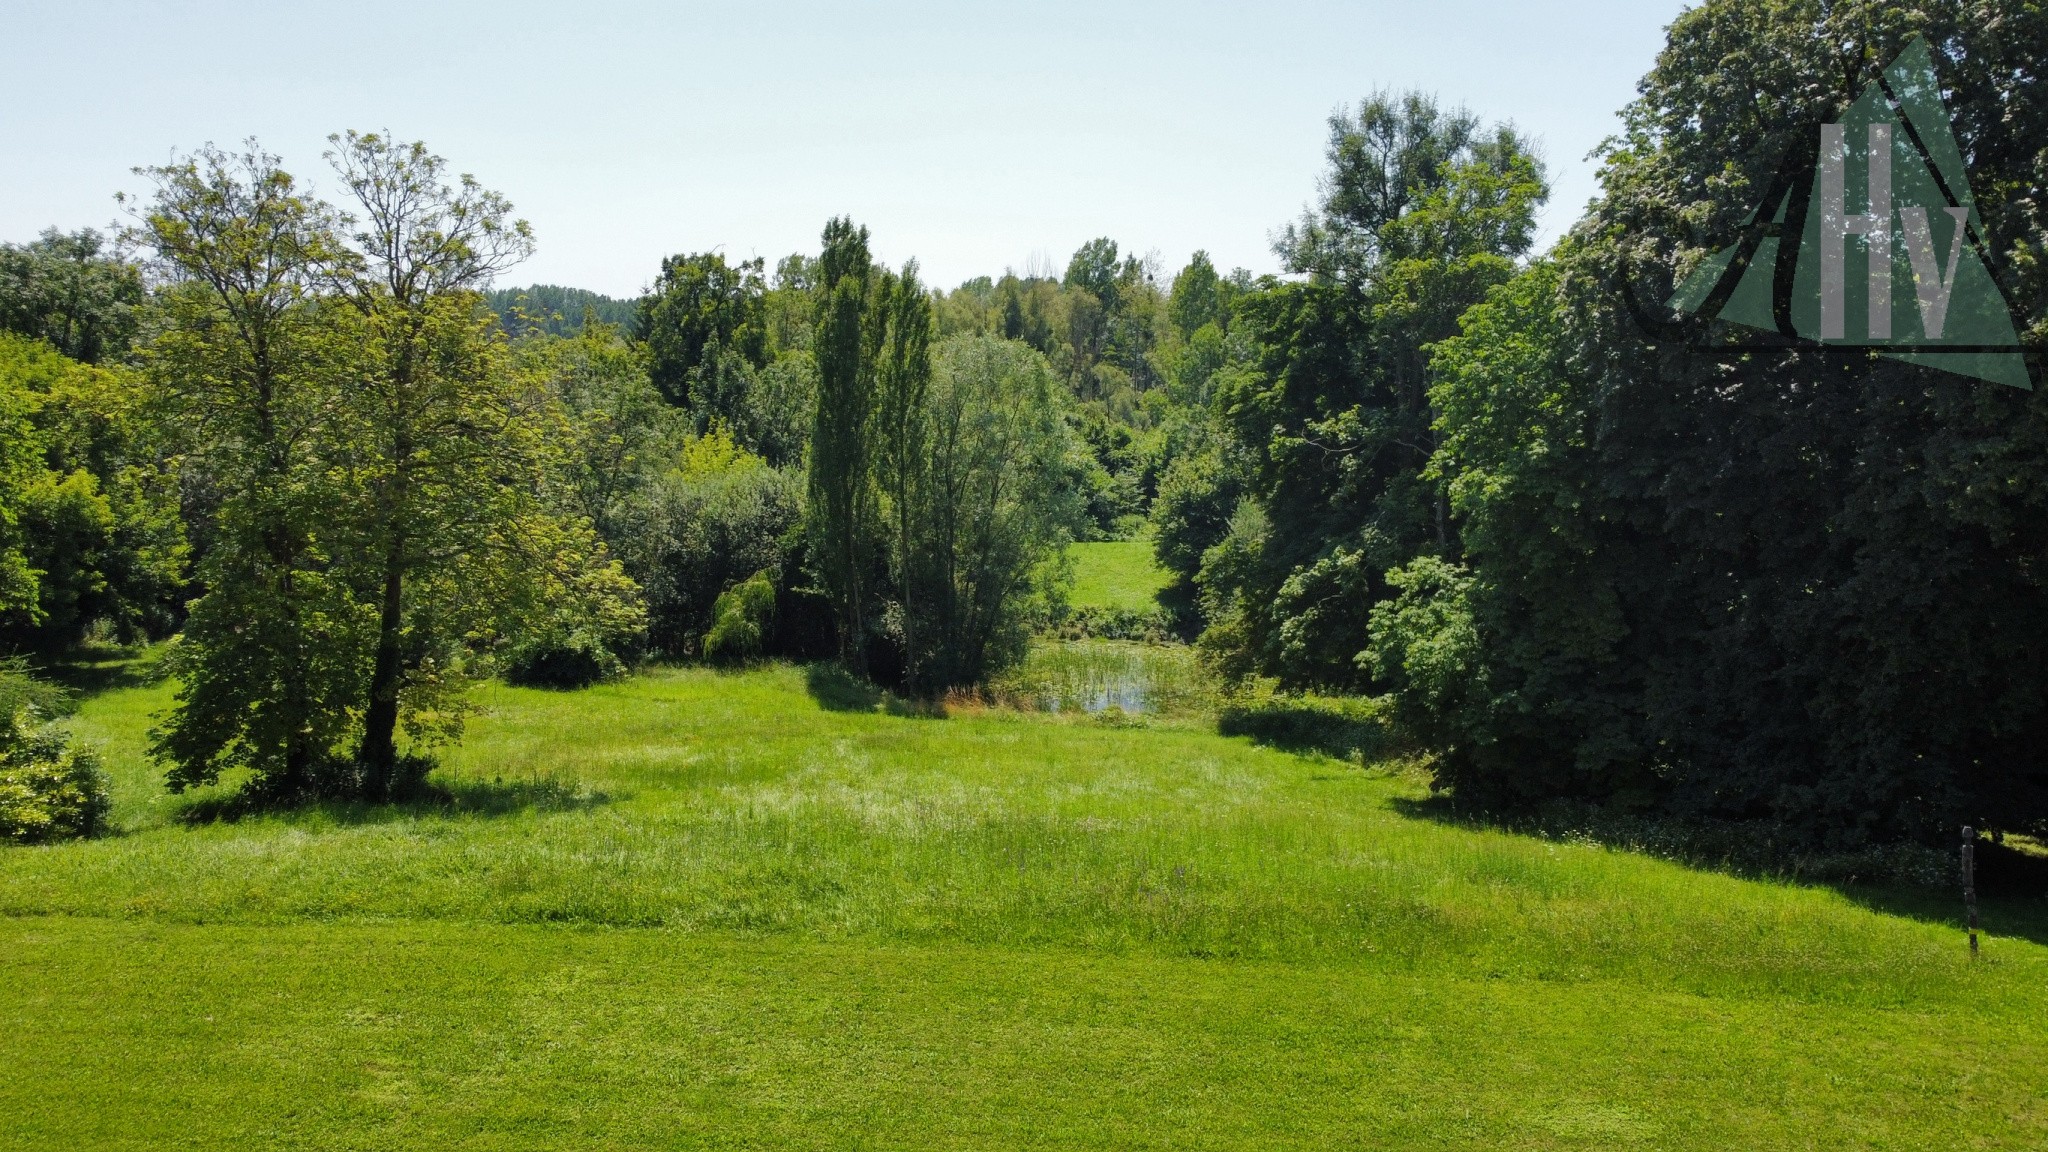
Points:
[(1970, 883)]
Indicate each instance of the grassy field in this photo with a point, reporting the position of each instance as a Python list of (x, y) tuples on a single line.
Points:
[(1118, 574), (763, 910)]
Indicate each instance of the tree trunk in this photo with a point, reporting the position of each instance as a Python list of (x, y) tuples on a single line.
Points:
[(379, 750), (853, 637), (298, 751)]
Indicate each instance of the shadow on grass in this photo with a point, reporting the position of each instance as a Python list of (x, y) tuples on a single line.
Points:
[(1341, 729), (95, 670), (2012, 896), (1908, 880), (836, 690), (450, 800)]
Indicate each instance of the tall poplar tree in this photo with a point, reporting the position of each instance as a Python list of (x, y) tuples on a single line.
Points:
[(842, 504), (904, 381)]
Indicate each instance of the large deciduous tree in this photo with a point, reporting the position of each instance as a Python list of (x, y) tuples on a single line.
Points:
[(1423, 209), (985, 507), (383, 519), (250, 361), (445, 443)]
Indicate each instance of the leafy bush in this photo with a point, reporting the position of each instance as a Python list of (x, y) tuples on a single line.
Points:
[(720, 516), (575, 660), (584, 620), (1425, 648), (48, 789), (1096, 622), (741, 620)]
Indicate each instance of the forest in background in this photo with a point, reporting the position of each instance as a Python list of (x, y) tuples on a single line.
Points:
[(314, 444)]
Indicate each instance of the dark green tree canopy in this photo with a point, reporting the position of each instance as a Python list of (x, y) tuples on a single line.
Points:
[(559, 311), (72, 290), (1422, 212), (1792, 588), (701, 311)]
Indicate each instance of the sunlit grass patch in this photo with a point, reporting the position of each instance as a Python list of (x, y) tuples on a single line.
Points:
[(1116, 574), (845, 861)]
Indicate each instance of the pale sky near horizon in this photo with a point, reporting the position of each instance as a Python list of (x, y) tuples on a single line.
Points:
[(973, 137)]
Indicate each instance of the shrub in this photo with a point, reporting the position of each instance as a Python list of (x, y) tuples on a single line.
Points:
[(586, 623), (1425, 648), (722, 515), (1095, 622), (48, 789), (741, 620), (575, 660)]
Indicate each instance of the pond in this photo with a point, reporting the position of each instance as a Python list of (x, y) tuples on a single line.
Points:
[(1098, 675)]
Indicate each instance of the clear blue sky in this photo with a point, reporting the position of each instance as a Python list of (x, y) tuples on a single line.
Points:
[(970, 136)]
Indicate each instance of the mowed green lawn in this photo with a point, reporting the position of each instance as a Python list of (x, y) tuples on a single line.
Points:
[(706, 910), (1119, 574)]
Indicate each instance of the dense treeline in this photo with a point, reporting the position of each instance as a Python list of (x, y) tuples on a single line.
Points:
[(1587, 564), (1426, 464), (900, 465), (1329, 427), (894, 463), (1804, 589), (556, 310)]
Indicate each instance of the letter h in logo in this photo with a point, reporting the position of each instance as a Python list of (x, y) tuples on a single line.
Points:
[(1836, 226)]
